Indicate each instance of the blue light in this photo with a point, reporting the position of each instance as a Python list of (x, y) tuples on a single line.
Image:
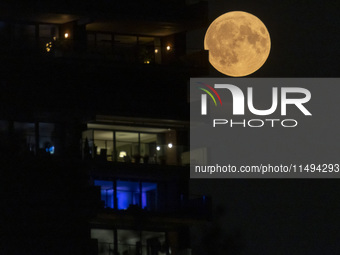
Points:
[(128, 193), (144, 200), (106, 192), (124, 200), (50, 150)]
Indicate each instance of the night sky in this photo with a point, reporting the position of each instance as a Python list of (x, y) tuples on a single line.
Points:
[(268, 216), (284, 216), (304, 35)]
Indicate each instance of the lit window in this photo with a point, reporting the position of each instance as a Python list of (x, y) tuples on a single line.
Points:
[(128, 193), (106, 192)]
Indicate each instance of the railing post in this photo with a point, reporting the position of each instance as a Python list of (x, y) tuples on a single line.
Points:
[(115, 241)]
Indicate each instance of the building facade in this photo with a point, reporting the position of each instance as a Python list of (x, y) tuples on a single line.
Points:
[(94, 124)]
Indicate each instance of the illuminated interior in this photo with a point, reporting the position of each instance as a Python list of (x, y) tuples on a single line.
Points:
[(30, 133), (122, 146), (128, 193), (130, 241), (123, 48)]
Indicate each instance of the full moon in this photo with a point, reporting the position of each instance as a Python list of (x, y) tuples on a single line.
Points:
[(238, 43)]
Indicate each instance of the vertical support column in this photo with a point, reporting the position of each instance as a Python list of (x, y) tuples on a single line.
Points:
[(167, 251), (172, 239), (37, 134), (171, 153), (139, 145), (137, 50), (37, 36), (158, 51), (112, 43), (93, 152), (115, 241), (95, 40), (115, 199), (114, 147), (140, 244), (140, 194)]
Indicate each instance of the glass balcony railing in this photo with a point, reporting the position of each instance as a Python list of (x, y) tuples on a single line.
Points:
[(147, 197), (134, 152), (129, 249)]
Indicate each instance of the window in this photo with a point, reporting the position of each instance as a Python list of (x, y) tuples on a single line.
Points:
[(103, 144), (148, 147), (124, 146), (143, 194), (106, 192), (129, 241), (105, 240), (27, 133), (127, 146), (46, 137), (149, 196)]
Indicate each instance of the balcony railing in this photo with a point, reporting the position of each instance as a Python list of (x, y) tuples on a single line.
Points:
[(134, 152), (198, 207), (105, 248), (126, 249)]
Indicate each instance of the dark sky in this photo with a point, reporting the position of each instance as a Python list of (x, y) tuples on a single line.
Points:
[(304, 35), (285, 216)]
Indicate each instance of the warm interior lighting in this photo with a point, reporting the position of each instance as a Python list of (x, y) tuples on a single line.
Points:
[(54, 38), (168, 48), (66, 35), (147, 62), (170, 145), (122, 154), (48, 46), (156, 51)]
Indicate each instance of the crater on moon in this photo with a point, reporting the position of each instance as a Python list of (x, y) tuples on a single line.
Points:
[(238, 43)]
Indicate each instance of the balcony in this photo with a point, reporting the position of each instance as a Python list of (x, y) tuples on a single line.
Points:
[(136, 141), (125, 199), (132, 242), (135, 153)]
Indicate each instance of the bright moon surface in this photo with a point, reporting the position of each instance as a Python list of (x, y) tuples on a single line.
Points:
[(238, 43)]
